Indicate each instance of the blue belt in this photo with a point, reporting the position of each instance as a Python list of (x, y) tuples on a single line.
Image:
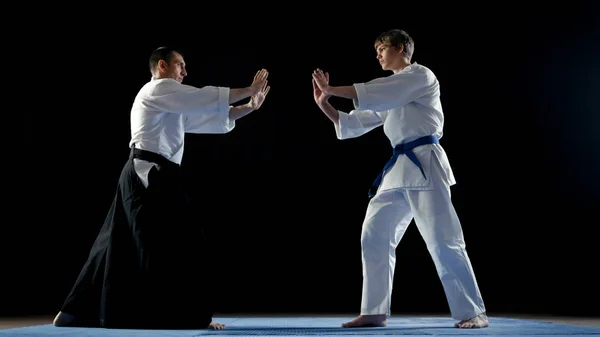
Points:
[(407, 150)]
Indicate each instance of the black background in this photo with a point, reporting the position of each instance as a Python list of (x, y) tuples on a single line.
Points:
[(282, 199)]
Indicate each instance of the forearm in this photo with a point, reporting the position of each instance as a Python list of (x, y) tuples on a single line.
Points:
[(330, 112), (347, 91), (238, 94), (239, 111)]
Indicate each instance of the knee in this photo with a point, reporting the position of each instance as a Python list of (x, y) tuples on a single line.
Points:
[(374, 245)]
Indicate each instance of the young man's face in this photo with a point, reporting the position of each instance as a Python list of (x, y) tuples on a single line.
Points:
[(389, 57)]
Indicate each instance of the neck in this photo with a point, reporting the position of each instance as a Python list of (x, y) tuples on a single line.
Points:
[(402, 63)]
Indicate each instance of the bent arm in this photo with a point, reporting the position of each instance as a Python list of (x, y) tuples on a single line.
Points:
[(353, 124), (394, 91)]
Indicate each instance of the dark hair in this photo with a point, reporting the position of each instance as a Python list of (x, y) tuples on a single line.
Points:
[(397, 38), (162, 53)]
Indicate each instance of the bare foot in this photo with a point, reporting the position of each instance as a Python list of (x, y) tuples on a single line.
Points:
[(367, 321), (480, 321), (216, 326)]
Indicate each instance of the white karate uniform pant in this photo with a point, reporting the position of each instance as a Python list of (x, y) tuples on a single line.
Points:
[(388, 215)]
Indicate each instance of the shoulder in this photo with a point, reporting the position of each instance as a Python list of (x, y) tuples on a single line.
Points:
[(164, 83), (164, 86), (420, 69)]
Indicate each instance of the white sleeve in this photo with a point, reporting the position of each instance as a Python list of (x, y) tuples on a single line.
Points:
[(356, 123), (394, 91), (174, 97), (209, 123)]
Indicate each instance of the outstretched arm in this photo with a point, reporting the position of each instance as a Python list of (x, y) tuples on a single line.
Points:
[(256, 101), (223, 120), (347, 125), (259, 82), (385, 93), (321, 80)]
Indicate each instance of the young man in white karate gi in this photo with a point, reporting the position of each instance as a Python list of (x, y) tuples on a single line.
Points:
[(148, 268), (414, 184)]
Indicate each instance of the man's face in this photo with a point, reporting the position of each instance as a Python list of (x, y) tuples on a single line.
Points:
[(174, 69), (388, 56)]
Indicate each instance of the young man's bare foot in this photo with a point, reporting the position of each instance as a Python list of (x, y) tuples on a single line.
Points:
[(216, 326), (367, 321), (480, 321)]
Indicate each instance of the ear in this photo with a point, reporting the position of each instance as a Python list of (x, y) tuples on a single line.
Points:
[(400, 49), (162, 65)]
